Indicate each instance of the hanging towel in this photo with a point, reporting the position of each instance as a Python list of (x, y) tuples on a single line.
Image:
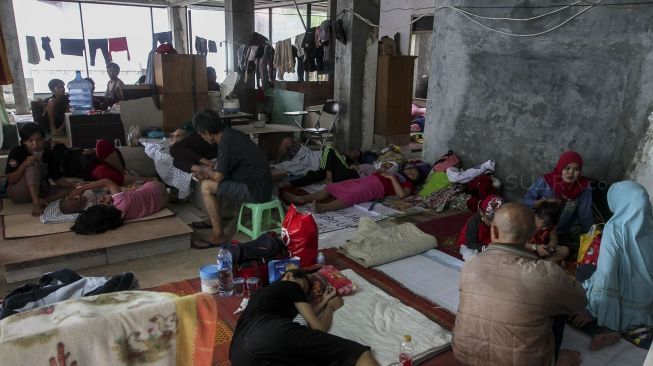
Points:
[(103, 45), (118, 45), (161, 38), (72, 47), (45, 44), (33, 56), (283, 57), (213, 48)]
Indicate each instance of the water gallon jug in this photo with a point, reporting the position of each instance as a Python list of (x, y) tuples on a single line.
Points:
[(81, 95)]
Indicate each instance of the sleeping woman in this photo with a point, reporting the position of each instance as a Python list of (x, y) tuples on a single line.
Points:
[(369, 188)]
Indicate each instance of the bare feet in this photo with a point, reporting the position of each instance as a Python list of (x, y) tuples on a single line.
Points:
[(581, 318), (603, 340), (568, 357), (288, 197)]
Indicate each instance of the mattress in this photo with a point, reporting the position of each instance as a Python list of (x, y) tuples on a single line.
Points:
[(376, 319)]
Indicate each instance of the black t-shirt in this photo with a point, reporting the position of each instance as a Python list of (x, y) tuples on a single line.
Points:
[(49, 165), (240, 160), (277, 300)]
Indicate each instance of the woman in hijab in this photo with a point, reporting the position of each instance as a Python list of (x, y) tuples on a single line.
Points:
[(620, 290), (476, 232), (566, 184)]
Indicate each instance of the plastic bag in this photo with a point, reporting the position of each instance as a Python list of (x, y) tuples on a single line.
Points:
[(299, 232)]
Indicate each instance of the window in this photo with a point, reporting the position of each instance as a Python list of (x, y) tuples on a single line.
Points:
[(209, 24), (262, 22), (55, 20), (420, 46), (59, 20), (286, 23), (100, 22)]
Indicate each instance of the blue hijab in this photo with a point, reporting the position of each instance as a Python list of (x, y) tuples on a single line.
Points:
[(620, 292)]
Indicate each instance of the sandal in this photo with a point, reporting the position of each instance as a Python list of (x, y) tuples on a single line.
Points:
[(204, 244), (201, 224)]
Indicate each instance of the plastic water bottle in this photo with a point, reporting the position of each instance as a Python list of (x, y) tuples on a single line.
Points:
[(406, 352), (81, 95), (225, 274), (320, 258)]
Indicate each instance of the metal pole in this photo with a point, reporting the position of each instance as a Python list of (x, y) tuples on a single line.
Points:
[(308, 15), (189, 21), (152, 27), (270, 23), (81, 20), (300, 15)]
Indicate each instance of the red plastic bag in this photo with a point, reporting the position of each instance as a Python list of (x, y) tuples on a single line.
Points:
[(299, 232)]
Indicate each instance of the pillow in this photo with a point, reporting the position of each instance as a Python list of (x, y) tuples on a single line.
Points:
[(329, 276)]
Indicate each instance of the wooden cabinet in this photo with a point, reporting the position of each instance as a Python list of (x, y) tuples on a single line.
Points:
[(394, 95), (182, 84)]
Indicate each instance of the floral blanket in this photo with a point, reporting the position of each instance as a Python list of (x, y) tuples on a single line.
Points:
[(121, 328)]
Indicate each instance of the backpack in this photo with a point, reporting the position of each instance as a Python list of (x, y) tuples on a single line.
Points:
[(266, 247), (447, 161), (62, 285)]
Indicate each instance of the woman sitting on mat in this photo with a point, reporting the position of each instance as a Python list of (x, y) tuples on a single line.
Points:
[(266, 334), (544, 243), (151, 198), (29, 168), (565, 183), (620, 287), (370, 188), (476, 232)]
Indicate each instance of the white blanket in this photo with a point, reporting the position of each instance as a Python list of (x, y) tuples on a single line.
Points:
[(436, 278), (374, 318)]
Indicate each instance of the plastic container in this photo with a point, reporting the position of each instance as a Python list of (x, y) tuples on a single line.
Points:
[(406, 352), (225, 273), (209, 278), (320, 258), (81, 95)]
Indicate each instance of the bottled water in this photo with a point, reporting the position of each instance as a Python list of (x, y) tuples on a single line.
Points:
[(81, 95), (225, 274), (406, 352), (320, 258)]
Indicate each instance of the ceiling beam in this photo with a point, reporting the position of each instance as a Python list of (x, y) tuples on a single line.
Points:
[(274, 4)]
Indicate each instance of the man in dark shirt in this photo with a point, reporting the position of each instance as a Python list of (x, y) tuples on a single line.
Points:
[(241, 172)]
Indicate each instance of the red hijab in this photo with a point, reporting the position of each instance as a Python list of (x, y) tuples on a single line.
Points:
[(561, 188)]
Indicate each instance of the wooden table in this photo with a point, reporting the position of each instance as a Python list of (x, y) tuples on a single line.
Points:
[(269, 137), (238, 115)]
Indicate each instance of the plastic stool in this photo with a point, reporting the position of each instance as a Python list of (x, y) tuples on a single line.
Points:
[(261, 216)]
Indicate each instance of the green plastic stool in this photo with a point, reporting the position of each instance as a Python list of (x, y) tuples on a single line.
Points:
[(261, 216)]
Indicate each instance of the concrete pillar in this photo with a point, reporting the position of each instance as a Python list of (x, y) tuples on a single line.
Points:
[(355, 74), (8, 23), (179, 22), (239, 23)]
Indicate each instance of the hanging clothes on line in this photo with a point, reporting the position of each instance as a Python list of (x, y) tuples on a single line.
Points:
[(45, 44), (300, 56), (201, 45), (118, 44), (33, 56), (255, 58), (213, 48), (161, 38), (72, 47), (323, 40), (283, 58), (103, 45)]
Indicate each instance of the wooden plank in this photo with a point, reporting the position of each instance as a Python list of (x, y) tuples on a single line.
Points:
[(148, 249), (35, 269), (28, 249)]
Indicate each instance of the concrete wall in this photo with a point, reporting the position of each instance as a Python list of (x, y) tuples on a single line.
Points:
[(523, 101), (642, 167), (397, 14)]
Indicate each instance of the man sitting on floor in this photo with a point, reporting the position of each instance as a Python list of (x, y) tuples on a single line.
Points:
[(511, 302), (241, 172)]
